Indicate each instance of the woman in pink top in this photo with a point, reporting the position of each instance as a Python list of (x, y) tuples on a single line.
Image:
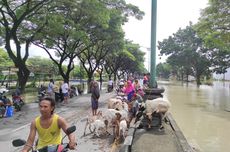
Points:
[(129, 90)]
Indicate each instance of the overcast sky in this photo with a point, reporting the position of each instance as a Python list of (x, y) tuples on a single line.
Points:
[(171, 15)]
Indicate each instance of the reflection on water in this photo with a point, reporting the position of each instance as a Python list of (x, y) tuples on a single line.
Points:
[(203, 114)]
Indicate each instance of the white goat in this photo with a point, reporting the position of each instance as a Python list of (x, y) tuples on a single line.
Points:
[(114, 103), (111, 115), (123, 128), (90, 121), (158, 105), (99, 125)]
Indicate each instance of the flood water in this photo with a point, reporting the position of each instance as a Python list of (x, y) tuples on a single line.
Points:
[(203, 114)]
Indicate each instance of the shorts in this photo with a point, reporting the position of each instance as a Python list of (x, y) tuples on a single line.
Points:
[(94, 104), (65, 94)]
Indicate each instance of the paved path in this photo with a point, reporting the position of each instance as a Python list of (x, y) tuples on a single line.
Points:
[(171, 139), (75, 113)]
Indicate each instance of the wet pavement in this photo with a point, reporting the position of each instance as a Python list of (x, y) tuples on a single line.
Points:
[(142, 139), (75, 113)]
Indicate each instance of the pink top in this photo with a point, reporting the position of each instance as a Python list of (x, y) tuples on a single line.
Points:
[(129, 88)]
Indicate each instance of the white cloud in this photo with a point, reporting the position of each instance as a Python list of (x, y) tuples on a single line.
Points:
[(171, 15)]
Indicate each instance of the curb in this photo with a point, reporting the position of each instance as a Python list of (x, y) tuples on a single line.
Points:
[(126, 147), (182, 141)]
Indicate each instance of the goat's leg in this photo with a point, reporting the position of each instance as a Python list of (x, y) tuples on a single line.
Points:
[(87, 123), (149, 120), (90, 128), (117, 131), (97, 132), (106, 127), (162, 117)]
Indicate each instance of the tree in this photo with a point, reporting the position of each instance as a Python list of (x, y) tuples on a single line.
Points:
[(39, 65), (138, 64), (186, 51), (163, 70), (78, 28), (6, 63), (214, 24), (214, 28), (14, 23), (4, 59), (106, 40)]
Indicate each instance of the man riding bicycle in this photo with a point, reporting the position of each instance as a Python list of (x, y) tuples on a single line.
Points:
[(48, 126)]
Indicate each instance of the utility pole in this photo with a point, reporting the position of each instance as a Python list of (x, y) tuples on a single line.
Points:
[(153, 44)]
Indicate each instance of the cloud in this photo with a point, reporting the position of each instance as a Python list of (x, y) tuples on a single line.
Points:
[(171, 15)]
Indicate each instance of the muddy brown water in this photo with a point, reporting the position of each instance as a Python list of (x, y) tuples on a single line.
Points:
[(203, 114)]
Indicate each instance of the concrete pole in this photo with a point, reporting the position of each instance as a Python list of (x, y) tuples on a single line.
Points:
[(153, 44)]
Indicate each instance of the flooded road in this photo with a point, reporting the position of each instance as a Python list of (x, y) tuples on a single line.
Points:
[(203, 114)]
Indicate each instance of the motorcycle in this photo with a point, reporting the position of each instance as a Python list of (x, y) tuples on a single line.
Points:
[(41, 93), (72, 91), (17, 102), (120, 87), (110, 88), (63, 147)]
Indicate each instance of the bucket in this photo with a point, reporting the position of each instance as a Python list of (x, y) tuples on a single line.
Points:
[(9, 111)]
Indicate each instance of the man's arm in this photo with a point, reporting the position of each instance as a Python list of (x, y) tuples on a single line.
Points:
[(63, 124), (31, 137)]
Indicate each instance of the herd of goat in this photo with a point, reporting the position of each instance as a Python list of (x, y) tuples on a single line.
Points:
[(118, 115)]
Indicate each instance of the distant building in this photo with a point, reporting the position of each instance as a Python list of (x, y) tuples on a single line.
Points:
[(225, 76)]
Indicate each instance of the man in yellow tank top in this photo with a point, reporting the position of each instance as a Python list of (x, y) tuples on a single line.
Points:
[(48, 126)]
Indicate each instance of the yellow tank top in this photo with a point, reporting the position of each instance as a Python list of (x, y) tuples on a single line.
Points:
[(49, 136)]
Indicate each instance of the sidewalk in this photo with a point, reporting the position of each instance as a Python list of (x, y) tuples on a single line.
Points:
[(29, 111), (75, 113), (171, 139)]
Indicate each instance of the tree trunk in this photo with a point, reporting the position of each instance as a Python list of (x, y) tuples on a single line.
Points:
[(90, 76), (23, 75), (101, 81), (198, 80)]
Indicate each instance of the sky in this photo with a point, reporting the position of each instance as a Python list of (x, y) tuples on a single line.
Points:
[(171, 15)]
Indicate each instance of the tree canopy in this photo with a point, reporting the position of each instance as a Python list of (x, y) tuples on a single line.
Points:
[(71, 29), (186, 51), (214, 28)]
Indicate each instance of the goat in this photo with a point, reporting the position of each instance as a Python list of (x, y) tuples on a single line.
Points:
[(140, 112), (158, 105), (120, 127), (90, 120), (111, 115), (114, 103), (99, 125)]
